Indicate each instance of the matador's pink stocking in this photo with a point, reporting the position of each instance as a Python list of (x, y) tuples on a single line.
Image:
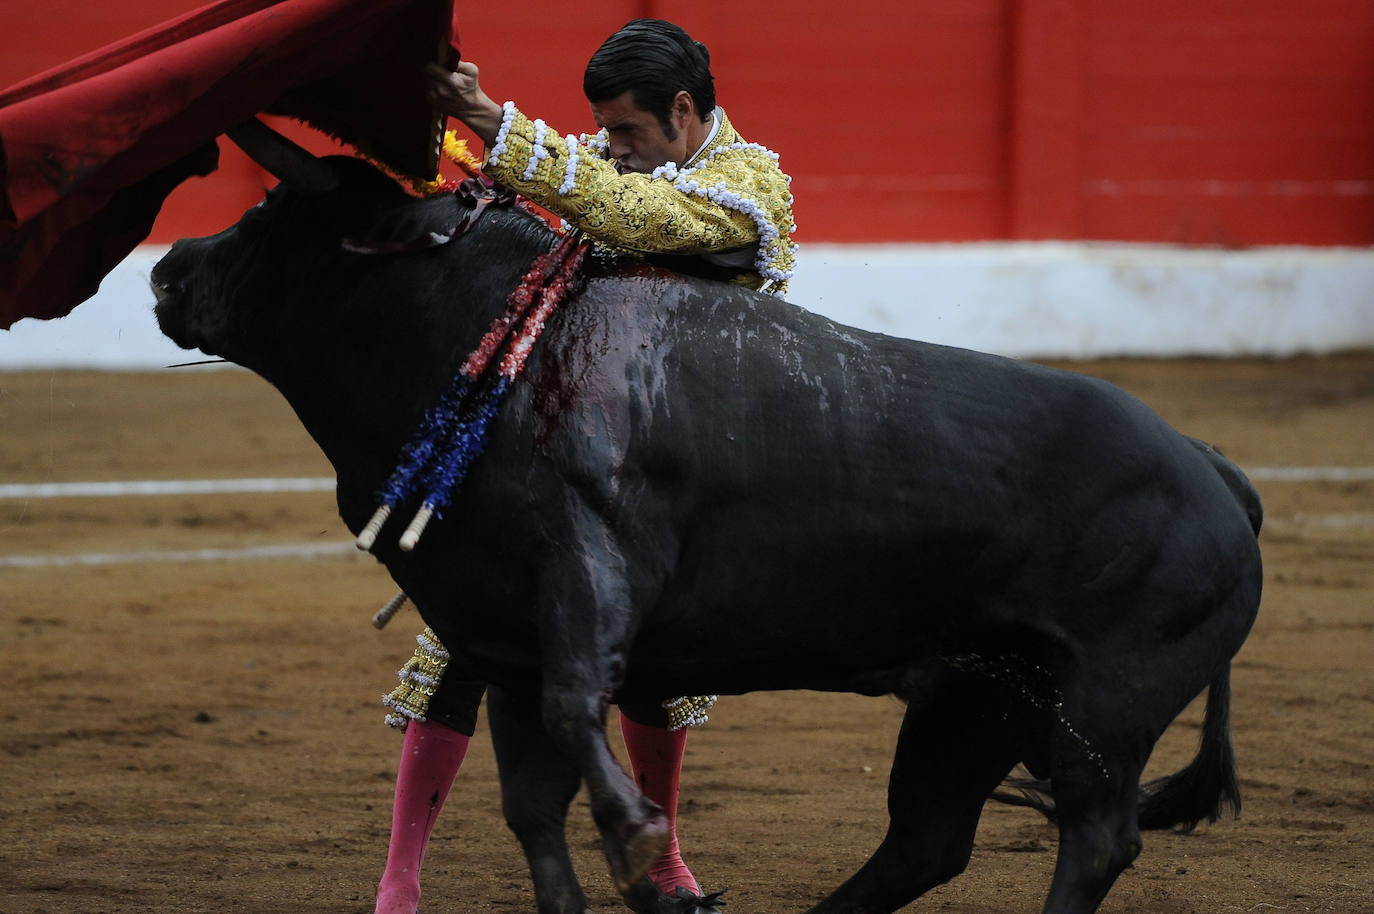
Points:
[(430, 759), (656, 759)]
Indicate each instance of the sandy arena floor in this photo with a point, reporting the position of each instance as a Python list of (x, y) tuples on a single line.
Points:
[(204, 735)]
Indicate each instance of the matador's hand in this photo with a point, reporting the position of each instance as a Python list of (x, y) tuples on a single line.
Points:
[(458, 94)]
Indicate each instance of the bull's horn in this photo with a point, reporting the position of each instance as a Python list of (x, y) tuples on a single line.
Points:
[(283, 158)]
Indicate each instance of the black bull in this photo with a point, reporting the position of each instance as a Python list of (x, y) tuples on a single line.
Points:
[(699, 489)]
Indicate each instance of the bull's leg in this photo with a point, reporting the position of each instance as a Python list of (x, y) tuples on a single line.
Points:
[(634, 830), (585, 619), (537, 785), (1096, 802), (951, 753)]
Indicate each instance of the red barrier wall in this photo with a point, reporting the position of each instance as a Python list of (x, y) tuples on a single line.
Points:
[(1231, 122)]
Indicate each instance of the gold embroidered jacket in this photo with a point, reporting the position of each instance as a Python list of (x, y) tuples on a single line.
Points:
[(732, 195)]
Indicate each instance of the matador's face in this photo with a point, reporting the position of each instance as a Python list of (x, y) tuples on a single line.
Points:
[(637, 140)]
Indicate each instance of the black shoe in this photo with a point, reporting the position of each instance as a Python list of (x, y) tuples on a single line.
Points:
[(685, 902)]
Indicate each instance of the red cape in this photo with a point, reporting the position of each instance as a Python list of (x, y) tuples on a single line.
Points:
[(89, 150)]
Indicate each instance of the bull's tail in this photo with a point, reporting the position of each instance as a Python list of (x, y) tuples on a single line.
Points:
[(1181, 800), (1208, 783)]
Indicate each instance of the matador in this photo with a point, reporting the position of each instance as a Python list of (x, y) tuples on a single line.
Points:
[(668, 179)]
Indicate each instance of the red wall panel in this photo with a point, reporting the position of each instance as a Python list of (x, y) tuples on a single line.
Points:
[(889, 116), (1229, 122), (1226, 122)]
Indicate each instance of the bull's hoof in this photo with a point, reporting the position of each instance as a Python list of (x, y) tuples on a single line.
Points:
[(632, 856), (685, 902)]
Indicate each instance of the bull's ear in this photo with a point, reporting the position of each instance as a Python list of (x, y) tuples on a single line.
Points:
[(413, 226)]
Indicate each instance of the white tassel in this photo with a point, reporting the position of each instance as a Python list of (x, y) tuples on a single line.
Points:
[(374, 526), (392, 607), (417, 527)]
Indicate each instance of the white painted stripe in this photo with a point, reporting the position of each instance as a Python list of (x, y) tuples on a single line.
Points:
[(326, 484), (251, 553), (1310, 474), (1329, 521), (166, 487), (1028, 299)]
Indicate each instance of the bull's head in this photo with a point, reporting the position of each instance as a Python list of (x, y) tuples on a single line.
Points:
[(342, 290), (283, 275)]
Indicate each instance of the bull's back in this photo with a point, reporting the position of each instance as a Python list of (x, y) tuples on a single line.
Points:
[(752, 399)]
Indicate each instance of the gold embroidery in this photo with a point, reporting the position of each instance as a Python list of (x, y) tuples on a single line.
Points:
[(420, 676), (418, 679), (732, 196)]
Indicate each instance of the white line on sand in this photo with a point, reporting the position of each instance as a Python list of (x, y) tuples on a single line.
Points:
[(165, 487), (326, 484), (250, 553)]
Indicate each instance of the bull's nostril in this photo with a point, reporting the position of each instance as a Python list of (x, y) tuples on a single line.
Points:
[(162, 290)]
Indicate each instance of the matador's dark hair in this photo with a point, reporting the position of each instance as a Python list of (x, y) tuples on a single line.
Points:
[(654, 60)]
